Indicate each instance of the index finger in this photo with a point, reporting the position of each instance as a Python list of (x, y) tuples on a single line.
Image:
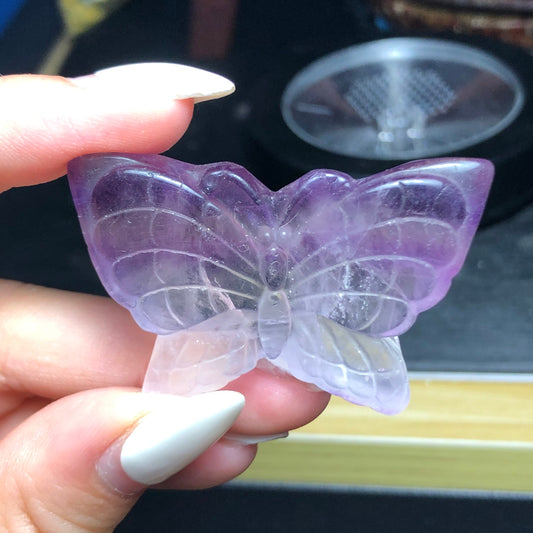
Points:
[(48, 120)]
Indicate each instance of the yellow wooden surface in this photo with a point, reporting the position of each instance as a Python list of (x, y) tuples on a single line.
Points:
[(454, 435), (441, 409)]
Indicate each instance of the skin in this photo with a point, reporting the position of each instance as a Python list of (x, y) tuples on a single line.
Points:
[(71, 364)]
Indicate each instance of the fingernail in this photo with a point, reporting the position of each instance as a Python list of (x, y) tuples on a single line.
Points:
[(169, 438), (166, 80), (255, 439)]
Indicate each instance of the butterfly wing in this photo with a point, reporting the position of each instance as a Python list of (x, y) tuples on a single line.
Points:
[(204, 357), (378, 251), (369, 255), (361, 369), (170, 242)]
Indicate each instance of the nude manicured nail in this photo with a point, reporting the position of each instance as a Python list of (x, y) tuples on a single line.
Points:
[(167, 80), (169, 438), (255, 439)]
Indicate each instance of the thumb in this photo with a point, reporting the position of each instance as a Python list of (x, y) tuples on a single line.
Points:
[(81, 463)]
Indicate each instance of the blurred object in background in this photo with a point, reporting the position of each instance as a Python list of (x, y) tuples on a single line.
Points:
[(508, 20), (402, 99), (78, 17), (212, 28), (8, 9), (377, 104)]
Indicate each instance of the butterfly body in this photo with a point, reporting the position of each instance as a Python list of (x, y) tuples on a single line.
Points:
[(319, 277)]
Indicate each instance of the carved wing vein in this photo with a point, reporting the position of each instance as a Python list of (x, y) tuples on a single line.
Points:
[(359, 260), (199, 288), (188, 254), (307, 297), (194, 222), (396, 222)]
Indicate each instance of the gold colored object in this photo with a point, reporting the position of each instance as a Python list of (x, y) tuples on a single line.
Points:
[(510, 21), (79, 16), (461, 435)]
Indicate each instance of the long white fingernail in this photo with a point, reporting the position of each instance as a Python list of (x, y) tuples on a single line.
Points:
[(165, 441), (167, 80)]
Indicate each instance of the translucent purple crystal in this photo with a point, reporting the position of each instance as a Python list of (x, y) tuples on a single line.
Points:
[(318, 278)]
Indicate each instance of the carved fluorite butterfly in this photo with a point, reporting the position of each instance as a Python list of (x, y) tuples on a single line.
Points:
[(318, 278)]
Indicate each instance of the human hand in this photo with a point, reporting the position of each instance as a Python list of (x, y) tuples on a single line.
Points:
[(71, 365)]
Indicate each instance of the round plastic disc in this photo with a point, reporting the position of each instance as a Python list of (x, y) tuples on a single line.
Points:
[(402, 98)]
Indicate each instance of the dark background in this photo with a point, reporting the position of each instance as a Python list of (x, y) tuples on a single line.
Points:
[(485, 324)]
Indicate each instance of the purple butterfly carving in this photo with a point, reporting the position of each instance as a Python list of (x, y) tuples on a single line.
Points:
[(318, 278)]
